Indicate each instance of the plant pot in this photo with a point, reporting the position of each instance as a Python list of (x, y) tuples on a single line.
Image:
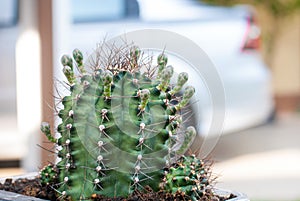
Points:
[(239, 196), (10, 196)]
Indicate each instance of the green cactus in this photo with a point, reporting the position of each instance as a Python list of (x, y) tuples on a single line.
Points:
[(189, 177), (118, 126)]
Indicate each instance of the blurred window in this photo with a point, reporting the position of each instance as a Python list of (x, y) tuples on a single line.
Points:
[(8, 38), (8, 109), (8, 13), (103, 10)]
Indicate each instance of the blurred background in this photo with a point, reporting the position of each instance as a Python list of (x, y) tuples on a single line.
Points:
[(254, 44)]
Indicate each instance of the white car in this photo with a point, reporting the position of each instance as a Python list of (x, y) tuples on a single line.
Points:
[(229, 36)]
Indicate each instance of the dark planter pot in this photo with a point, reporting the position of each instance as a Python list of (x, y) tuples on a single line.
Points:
[(9, 196)]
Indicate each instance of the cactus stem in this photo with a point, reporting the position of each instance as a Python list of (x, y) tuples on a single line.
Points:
[(90, 132)]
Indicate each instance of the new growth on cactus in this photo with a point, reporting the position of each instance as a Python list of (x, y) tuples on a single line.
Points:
[(188, 176), (119, 125)]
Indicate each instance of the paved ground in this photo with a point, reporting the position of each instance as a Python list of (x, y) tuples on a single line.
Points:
[(7, 172), (262, 162)]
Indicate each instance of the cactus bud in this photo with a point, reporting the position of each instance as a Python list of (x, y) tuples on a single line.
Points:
[(135, 54), (78, 57), (66, 60), (182, 178), (165, 78), (69, 74), (45, 128), (162, 61), (182, 79), (189, 137), (48, 175), (187, 95), (107, 82), (144, 95), (107, 77)]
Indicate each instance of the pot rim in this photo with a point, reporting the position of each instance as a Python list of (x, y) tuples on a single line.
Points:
[(225, 192)]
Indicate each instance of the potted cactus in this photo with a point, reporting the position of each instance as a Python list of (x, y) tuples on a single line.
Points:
[(122, 133)]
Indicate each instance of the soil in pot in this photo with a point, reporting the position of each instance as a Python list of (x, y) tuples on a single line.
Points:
[(32, 187)]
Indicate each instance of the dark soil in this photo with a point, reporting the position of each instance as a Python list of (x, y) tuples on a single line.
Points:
[(34, 188)]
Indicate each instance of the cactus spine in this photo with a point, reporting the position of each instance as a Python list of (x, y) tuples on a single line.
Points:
[(118, 126), (188, 177)]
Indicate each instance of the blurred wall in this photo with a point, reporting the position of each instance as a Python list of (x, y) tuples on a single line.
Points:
[(281, 50), (286, 60)]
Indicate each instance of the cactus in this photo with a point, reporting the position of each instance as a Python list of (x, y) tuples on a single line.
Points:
[(189, 177), (119, 126)]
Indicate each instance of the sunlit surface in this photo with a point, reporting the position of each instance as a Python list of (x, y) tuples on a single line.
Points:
[(262, 162), (28, 93), (8, 172), (28, 80)]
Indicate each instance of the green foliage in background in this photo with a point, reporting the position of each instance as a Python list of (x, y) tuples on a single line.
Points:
[(278, 8)]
